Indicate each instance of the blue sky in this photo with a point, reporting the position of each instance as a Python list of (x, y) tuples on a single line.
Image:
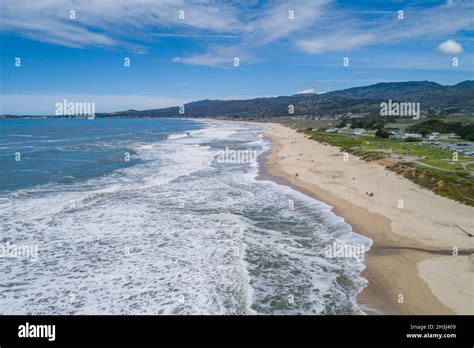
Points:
[(174, 60)]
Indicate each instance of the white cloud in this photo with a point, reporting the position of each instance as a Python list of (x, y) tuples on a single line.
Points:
[(222, 56), (132, 25), (335, 42), (427, 23), (209, 59), (262, 26), (111, 23), (450, 47), (272, 23), (306, 91), (317, 27)]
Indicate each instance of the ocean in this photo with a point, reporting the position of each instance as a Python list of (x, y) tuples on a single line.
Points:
[(145, 216)]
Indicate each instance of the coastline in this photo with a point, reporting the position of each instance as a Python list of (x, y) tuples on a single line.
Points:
[(410, 266)]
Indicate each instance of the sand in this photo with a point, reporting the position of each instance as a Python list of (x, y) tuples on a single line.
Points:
[(418, 262)]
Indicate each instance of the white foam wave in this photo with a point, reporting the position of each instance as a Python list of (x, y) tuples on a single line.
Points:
[(176, 234)]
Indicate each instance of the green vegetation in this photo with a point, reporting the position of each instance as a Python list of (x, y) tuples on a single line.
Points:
[(470, 167), (464, 130), (451, 185), (382, 133), (371, 122), (427, 165), (412, 140)]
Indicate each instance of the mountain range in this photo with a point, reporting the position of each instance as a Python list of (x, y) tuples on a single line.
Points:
[(434, 99)]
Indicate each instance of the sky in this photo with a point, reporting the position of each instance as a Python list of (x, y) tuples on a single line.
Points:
[(181, 51)]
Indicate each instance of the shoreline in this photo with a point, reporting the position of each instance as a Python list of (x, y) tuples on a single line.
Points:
[(370, 299), (409, 270)]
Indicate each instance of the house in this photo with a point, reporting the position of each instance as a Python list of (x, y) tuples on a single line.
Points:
[(357, 131), (411, 135)]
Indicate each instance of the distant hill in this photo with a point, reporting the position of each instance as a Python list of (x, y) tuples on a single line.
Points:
[(465, 84), (433, 98), (389, 90)]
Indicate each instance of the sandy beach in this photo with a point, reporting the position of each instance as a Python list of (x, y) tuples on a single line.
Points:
[(418, 263)]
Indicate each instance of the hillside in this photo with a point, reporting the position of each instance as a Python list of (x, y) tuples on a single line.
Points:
[(433, 98)]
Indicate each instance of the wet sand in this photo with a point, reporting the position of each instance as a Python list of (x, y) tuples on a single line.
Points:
[(412, 252)]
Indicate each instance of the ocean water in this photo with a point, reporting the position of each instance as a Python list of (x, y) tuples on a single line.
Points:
[(167, 229)]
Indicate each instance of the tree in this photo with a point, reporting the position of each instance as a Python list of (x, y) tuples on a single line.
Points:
[(342, 124), (382, 133)]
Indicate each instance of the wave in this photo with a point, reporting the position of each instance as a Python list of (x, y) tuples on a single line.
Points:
[(178, 136), (177, 233)]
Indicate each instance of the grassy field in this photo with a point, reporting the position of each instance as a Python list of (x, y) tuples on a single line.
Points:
[(427, 165)]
